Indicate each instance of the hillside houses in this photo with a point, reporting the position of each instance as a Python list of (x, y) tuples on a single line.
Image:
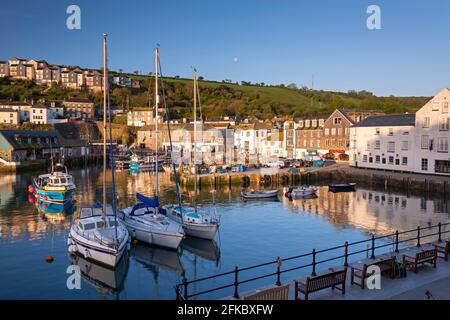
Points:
[(73, 77)]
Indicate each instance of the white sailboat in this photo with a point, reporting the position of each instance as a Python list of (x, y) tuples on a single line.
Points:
[(143, 220), (96, 234), (196, 223)]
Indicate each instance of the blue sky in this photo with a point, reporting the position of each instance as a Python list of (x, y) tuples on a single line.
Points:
[(274, 42)]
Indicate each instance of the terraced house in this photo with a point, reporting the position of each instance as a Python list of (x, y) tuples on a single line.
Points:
[(72, 78), (309, 137), (4, 69), (94, 80), (337, 130)]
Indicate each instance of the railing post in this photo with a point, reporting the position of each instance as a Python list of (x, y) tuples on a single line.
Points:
[(185, 284), (418, 236), (278, 271), (440, 232), (373, 247), (236, 283), (346, 254), (314, 263), (396, 241)]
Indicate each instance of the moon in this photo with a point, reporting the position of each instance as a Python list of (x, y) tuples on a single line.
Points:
[(235, 59)]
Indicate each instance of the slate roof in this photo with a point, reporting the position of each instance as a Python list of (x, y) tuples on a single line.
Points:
[(407, 119)]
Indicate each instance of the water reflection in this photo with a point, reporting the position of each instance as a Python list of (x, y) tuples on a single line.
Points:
[(104, 280), (206, 249), (155, 258), (373, 211), (251, 233)]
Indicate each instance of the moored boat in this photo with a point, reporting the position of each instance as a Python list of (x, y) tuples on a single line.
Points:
[(259, 194), (98, 237), (195, 223), (341, 187), (144, 223), (55, 187), (301, 192)]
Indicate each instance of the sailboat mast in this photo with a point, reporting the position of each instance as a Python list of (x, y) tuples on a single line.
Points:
[(195, 138), (156, 120), (105, 79)]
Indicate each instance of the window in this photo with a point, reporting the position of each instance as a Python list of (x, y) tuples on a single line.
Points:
[(442, 166), (445, 107), (444, 124), (377, 144), (339, 131), (391, 146), (397, 162), (377, 159), (370, 159), (383, 160), (404, 161), (377, 131), (391, 132), (424, 164), (405, 145), (442, 145), (391, 160), (365, 158), (426, 122), (368, 146), (425, 142), (337, 120)]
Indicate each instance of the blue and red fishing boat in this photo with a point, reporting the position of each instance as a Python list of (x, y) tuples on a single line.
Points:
[(55, 187)]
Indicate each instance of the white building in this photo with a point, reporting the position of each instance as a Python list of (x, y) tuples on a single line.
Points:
[(383, 142), (248, 139), (22, 107), (273, 147), (431, 152), (41, 114)]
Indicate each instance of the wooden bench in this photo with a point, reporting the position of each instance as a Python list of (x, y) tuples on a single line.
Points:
[(272, 293), (422, 257), (385, 264), (443, 248), (329, 280)]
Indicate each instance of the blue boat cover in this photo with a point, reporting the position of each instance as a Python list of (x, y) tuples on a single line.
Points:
[(145, 202)]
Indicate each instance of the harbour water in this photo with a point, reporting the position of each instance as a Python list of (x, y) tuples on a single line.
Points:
[(250, 233)]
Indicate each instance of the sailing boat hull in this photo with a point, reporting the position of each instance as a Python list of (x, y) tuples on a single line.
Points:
[(91, 250), (202, 231), (155, 236)]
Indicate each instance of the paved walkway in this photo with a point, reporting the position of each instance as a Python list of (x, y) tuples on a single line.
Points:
[(413, 287)]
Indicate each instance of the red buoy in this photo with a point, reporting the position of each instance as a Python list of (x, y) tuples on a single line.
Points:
[(31, 198), (45, 198), (49, 259), (45, 206), (30, 189)]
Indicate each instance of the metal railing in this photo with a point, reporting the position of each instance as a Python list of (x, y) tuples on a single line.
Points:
[(182, 289)]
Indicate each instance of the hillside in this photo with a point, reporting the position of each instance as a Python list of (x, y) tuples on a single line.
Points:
[(219, 98)]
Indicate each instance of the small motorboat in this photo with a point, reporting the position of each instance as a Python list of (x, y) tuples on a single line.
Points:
[(342, 187), (300, 192), (195, 223), (259, 194)]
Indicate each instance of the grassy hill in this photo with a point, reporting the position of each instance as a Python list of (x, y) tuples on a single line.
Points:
[(220, 98)]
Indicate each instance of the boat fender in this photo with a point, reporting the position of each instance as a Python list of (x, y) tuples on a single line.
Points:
[(86, 253), (30, 189), (69, 241), (72, 248)]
